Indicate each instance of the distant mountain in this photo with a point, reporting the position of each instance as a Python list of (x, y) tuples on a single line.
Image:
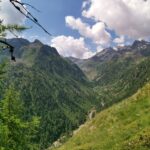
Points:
[(18, 42), (124, 126), (138, 50), (51, 87), (118, 74)]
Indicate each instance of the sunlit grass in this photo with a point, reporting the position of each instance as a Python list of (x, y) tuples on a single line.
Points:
[(124, 126)]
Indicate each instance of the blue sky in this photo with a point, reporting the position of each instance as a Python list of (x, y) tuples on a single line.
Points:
[(82, 28), (52, 16)]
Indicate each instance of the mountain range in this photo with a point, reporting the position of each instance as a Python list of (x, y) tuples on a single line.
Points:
[(125, 125), (62, 91), (51, 87), (117, 74)]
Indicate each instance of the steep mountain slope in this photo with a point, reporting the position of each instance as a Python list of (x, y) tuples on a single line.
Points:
[(118, 74), (51, 88), (92, 66), (124, 126), (55, 89)]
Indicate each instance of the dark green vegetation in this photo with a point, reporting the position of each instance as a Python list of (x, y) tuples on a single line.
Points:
[(4, 28), (118, 74), (16, 132), (50, 87), (124, 126), (55, 92)]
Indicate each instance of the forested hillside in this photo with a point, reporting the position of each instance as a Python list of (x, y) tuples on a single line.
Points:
[(78, 78), (50, 88), (118, 74), (54, 90)]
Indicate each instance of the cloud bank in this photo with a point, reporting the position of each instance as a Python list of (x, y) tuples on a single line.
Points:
[(125, 17), (97, 33), (69, 46), (128, 19), (9, 14)]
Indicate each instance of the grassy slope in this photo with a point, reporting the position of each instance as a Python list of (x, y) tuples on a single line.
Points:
[(124, 126)]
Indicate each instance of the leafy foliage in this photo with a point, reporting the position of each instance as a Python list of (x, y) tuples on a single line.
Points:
[(4, 28)]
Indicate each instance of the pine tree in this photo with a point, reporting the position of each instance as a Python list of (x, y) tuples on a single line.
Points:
[(11, 28), (16, 133)]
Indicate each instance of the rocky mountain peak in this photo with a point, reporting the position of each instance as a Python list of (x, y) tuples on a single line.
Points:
[(138, 44), (36, 41)]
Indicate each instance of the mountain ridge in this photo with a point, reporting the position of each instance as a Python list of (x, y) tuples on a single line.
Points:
[(118, 74), (57, 89), (51, 88)]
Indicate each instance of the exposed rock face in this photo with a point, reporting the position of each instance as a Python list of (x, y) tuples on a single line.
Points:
[(92, 114), (57, 144)]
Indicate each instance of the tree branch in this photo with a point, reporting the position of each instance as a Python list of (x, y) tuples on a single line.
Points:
[(27, 14), (11, 49)]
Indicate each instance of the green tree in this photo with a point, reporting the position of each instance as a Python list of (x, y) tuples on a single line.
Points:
[(16, 133), (2, 69), (11, 28)]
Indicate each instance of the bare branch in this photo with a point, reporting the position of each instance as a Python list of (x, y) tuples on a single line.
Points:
[(22, 9), (11, 49)]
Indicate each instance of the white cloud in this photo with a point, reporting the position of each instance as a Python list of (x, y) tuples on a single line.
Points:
[(85, 3), (9, 14), (69, 46), (97, 32), (119, 40), (126, 17)]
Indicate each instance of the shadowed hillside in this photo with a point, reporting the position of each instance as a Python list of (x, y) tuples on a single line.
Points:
[(52, 88), (118, 74)]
